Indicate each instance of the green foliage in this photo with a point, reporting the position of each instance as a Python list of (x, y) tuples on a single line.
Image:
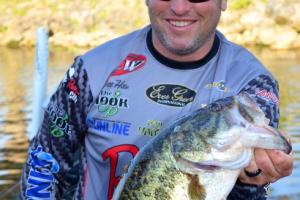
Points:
[(240, 4), (19, 12), (13, 44), (2, 28)]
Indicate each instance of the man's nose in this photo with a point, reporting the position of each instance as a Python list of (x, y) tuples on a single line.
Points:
[(180, 7)]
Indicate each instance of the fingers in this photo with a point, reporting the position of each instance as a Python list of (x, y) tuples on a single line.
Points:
[(266, 165), (257, 180), (255, 164), (274, 164), (252, 167), (283, 162)]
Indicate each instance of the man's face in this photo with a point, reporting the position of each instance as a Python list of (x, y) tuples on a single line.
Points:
[(181, 27)]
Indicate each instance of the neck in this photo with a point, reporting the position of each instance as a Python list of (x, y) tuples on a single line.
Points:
[(200, 53), (183, 64)]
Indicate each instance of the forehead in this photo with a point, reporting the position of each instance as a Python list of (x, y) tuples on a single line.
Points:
[(222, 4)]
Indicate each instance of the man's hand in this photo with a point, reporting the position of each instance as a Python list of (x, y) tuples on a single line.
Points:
[(274, 164)]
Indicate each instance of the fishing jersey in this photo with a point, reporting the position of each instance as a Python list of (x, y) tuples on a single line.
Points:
[(117, 97)]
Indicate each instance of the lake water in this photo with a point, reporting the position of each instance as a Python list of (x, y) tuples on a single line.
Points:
[(16, 78)]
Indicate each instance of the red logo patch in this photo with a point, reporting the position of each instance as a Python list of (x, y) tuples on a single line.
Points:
[(131, 63), (268, 95), (71, 85)]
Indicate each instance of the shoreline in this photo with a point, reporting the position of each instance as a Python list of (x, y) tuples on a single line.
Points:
[(273, 24)]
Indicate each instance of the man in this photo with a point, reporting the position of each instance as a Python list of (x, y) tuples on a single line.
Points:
[(118, 96)]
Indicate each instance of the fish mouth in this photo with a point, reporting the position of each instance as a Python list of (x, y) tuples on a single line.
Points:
[(195, 166), (191, 167)]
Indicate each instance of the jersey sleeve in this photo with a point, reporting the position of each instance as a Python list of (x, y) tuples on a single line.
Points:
[(264, 90), (52, 151)]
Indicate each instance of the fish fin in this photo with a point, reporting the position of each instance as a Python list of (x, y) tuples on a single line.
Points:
[(190, 167), (195, 189)]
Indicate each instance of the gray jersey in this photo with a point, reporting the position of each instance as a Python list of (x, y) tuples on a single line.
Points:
[(118, 96)]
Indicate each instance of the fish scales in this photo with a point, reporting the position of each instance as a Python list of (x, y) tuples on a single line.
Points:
[(190, 159)]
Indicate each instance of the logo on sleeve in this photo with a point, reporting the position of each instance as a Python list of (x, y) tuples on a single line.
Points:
[(40, 178), (131, 63), (73, 89), (59, 121), (70, 83), (269, 96), (171, 95)]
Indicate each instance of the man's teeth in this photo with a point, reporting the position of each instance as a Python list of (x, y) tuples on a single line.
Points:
[(180, 23)]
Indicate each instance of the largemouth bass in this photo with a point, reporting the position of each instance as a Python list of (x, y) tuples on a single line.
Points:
[(200, 156)]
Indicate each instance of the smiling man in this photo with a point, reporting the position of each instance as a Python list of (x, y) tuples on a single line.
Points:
[(184, 31), (175, 65)]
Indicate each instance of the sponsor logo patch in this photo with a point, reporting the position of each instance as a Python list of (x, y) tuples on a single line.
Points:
[(171, 95), (109, 103), (220, 85), (40, 178), (109, 126), (59, 121), (70, 84), (131, 63), (269, 96), (73, 89), (113, 155), (151, 129)]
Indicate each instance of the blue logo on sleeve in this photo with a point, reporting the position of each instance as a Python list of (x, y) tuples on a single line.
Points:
[(40, 178), (40, 159)]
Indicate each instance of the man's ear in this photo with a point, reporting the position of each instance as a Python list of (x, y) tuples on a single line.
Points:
[(223, 5)]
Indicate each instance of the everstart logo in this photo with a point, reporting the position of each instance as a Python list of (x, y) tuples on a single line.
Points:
[(131, 63), (171, 95)]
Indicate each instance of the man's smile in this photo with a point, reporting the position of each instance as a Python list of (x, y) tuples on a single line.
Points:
[(181, 23)]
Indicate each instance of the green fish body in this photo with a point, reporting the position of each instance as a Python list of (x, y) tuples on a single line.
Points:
[(200, 156)]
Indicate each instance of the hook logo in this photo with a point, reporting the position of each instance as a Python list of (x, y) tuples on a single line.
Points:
[(109, 103)]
